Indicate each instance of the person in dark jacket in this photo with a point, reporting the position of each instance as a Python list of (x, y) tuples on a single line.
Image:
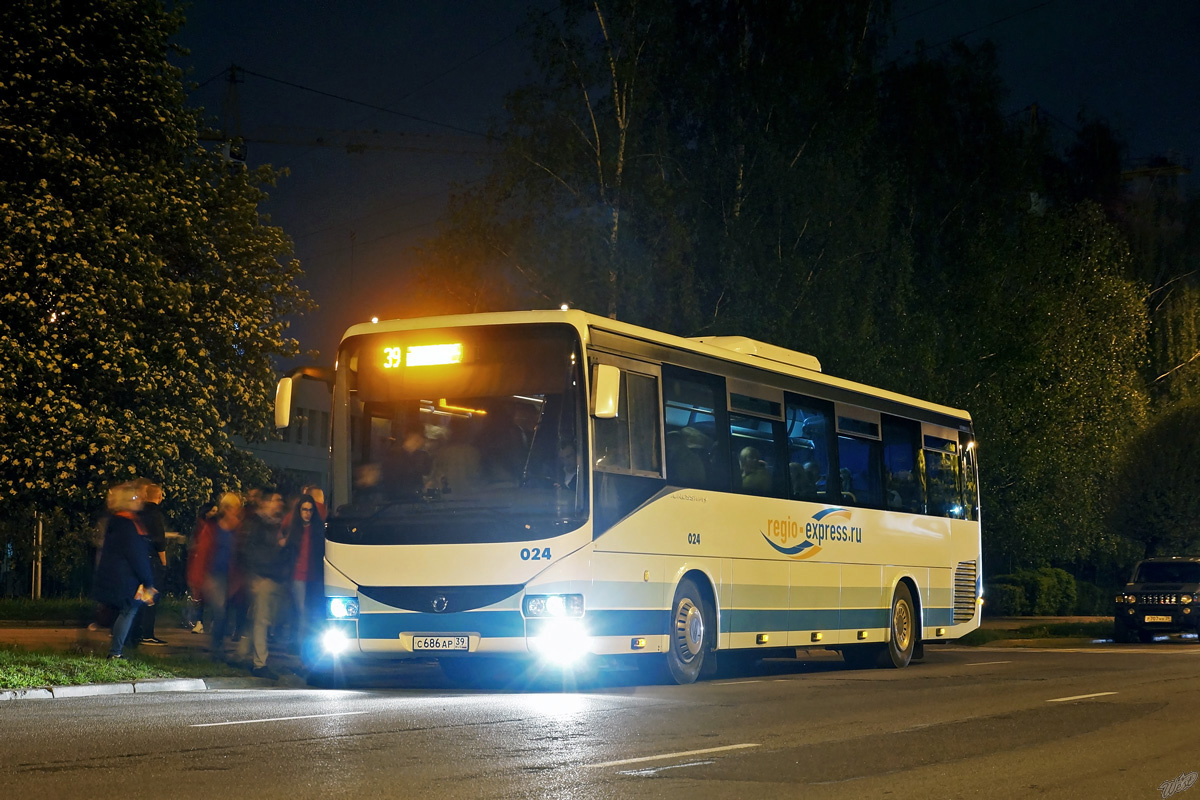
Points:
[(268, 558), (123, 576), (155, 525)]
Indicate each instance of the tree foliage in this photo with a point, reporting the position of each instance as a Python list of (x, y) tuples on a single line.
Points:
[(142, 297), (752, 168), (1155, 499)]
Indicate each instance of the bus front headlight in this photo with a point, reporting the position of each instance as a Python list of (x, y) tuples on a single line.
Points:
[(553, 606), (343, 608)]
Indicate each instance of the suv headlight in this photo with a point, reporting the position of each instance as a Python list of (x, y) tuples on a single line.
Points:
[(553, 605), (1186, 599)]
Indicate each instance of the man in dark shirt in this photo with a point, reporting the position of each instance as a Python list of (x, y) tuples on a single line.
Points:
[(269, 559)]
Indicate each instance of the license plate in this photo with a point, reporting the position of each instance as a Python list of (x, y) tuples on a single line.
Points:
[(1158, 618), (440, 643)]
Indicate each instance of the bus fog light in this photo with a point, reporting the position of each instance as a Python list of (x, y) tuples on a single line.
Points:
[(561, 641), (335, 641)]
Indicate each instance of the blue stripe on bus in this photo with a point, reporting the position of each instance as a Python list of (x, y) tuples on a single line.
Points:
[(939, 616), (632, 622), (635, 622)]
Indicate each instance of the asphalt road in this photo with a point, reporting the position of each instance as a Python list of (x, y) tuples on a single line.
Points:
[(1098, 722)]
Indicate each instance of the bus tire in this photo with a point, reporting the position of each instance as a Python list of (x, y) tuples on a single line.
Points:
[(690, 633), (903, 625)]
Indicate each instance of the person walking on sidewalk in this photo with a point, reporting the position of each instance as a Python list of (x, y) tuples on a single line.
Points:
[(306, 525), (155, 525), (123, 576), (269, 558), (212, 572)]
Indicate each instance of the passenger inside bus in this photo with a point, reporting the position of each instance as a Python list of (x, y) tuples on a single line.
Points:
[(407, 466), (755, 478), (806, 479), (685, 465), (457, 464)]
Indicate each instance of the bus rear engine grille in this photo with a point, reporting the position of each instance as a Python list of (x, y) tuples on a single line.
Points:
[(964, 591)]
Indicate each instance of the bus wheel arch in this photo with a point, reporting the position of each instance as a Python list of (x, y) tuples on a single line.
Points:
[(692, 627)]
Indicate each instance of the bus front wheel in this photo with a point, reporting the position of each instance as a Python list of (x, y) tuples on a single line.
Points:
[(690, 633)]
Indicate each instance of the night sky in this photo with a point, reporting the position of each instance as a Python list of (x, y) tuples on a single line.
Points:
[(443, 69)]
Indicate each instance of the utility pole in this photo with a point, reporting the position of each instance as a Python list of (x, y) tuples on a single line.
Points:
[(36, 582)]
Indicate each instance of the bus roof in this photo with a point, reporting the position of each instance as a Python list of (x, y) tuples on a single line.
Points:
[(738, 349)]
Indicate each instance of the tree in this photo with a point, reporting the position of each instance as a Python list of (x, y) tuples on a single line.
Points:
[(776, 181), (1155, 495), (142, 297), (676, 164)]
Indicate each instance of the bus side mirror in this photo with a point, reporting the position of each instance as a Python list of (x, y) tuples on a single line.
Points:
[(283, 403), (606, 391)]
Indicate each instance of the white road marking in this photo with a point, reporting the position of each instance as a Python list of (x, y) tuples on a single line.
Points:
[(736, 683), (655, 770), (276, 719), (673, 755), (1079, 697), (986, 663)]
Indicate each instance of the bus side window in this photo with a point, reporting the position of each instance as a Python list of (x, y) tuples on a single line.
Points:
[(629, 442), (941, 477), (860, 455), (691, 426), (970, 477), (902, 488), (754, 455), (809, 426)]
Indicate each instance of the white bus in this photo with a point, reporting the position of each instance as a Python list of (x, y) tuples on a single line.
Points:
[(551, 485)]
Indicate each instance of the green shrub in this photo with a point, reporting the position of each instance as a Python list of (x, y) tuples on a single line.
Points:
[(1092, 600), (1005, 600), (1046, 591)]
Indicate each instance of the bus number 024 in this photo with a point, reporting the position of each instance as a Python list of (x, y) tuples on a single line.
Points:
[(693, 538), (535, 554)]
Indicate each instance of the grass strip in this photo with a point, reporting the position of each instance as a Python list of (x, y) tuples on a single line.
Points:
[(28, 669), (1052, 630), (77, 609)]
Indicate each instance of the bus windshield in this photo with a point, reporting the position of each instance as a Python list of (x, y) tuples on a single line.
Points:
[(462, 435)]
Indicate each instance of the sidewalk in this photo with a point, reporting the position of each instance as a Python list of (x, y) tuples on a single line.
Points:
[(179, 642)]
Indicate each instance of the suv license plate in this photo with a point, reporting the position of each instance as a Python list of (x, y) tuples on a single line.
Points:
[(440, 643), (1158, 618)]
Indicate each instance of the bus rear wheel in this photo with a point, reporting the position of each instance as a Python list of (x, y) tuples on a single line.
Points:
[(905, 631), (690, 633)]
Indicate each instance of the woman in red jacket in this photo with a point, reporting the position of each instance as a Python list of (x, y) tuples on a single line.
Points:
[(212, 569)]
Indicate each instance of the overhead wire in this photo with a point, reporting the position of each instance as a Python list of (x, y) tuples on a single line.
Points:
[(973, 31)]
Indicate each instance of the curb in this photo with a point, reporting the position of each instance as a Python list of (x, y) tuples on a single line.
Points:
[(136, 687)]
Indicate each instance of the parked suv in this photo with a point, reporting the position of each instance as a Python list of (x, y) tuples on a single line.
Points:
[(1163, 596)]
